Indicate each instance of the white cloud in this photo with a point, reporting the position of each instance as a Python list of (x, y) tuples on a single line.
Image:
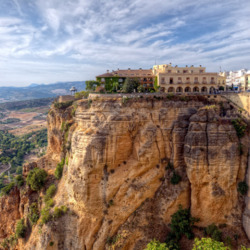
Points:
[(101, 34)]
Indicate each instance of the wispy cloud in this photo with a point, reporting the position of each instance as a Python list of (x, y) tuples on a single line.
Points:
[(90, 36)]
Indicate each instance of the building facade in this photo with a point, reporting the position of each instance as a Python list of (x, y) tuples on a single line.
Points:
[(169, 78), (237, 79), (144, 76), (188, 79)]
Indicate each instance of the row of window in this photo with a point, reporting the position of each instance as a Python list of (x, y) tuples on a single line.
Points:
[(185, 71)]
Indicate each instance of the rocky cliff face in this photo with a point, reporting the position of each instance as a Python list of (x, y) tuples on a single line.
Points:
[(117, 183)]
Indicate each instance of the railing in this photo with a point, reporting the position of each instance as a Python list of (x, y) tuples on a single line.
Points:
[(204, 82), (196, 82), (212, 82)]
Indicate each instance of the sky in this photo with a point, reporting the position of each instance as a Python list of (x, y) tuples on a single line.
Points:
[(46, 41)]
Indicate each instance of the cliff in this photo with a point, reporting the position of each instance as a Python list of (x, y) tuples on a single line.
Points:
[(122, 155)]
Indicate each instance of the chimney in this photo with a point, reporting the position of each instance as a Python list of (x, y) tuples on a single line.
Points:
[(128, 68), (118, 69), (200, 65), (107, 71), (170, 63), (140, 68), (186, 66)]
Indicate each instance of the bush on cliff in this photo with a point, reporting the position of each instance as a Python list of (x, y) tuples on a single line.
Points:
[(20, 229), (240, 127), (181, 224), (19, 181), (208, 243), (33, 213), (50, 192), (243, 187), (156, 245), (36, 178), (59, 169), (59, 211), (214, 232), (176, 178), (6, 190), (62, 105), (45, 215)]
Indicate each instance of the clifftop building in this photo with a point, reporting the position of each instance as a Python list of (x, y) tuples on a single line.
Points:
[(169, 78), (188, 79)]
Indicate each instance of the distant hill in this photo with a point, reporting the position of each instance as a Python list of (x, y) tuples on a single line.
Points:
[(35, 91), (17, 105)]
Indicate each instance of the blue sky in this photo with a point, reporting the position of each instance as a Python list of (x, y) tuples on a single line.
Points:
[(45, 41)]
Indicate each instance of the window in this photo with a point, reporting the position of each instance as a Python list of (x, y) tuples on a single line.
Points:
[(171, 80), (191, 71), (196, 79), (201, 71), (184, 71), (169, 71)]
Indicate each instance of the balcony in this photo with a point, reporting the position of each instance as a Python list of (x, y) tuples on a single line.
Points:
[(179, 82), (204, 82), (212, 82), (187, 82), (196, 82)]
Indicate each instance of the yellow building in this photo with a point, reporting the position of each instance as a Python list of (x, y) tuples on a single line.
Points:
[(245, 82), (188, 79)]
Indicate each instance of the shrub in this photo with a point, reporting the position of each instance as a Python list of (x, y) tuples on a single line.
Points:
[(175, 178), (49, 203), (19, 181), (62, 105), (181, 224), (20, 229), (60, 211), (59, 169), (208, 243), (36, 178), (33, 213), (243, 187), (6, 190), (240, 127), (50, 192), (214, 232), (81, 94), (156, 245), (45, 215)]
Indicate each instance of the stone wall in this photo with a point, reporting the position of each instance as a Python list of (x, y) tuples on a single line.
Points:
[(240, 99)]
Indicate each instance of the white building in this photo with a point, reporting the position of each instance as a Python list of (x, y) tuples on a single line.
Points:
[(234, 79)]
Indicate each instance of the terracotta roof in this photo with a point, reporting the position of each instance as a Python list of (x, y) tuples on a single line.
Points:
[(129, 73)]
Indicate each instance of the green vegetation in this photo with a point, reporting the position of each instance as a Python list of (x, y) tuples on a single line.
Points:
[(156, 245), (10, 242), (91, 85), (62, 105), (181, 224), (156, 87), (10, 120), (130, 85), (36, 178), (45, 215), (208, 243), (59, 169), (243, 187), (50, 192), (33, 213), (113, 240), (81, 94), (213, 231), (176, 178), (239, 126), (59, 211), (19, 180), (6, 190), (20, 229), (13, 148)]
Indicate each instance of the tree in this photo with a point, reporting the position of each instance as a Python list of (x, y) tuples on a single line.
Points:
[(36, 178), (91, 85), (208, 243), (156, 245), (130, 85)]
